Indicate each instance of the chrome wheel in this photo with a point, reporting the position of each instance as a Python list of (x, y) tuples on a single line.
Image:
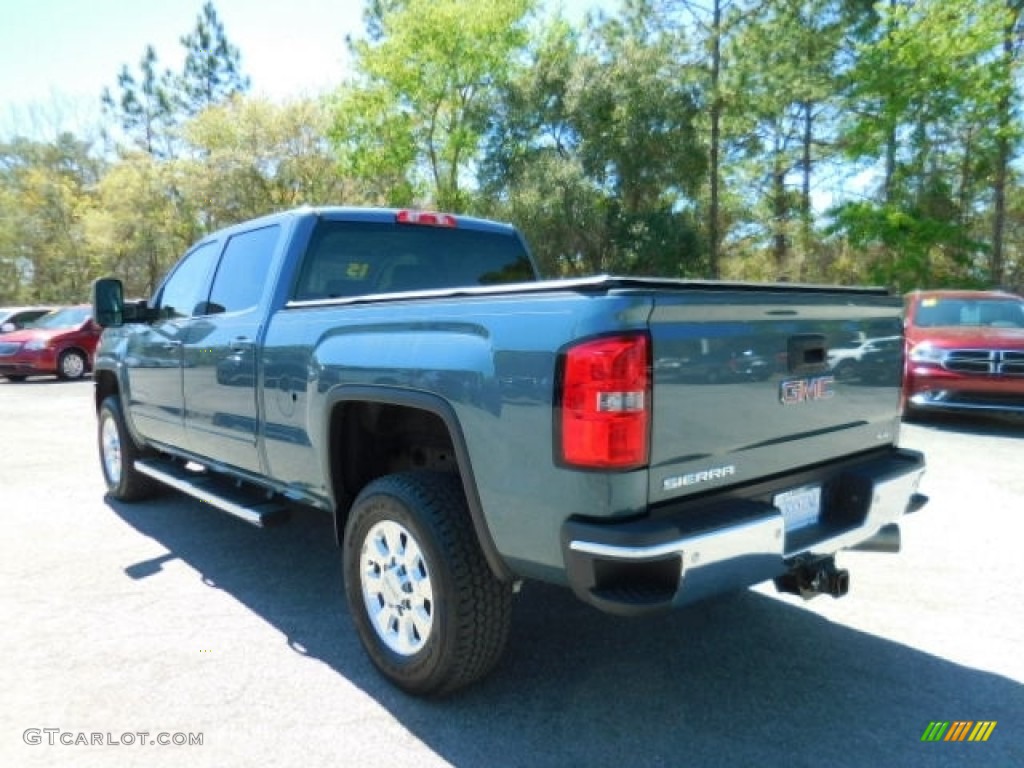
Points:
[(396, 588), (110, 449), (72, 365)]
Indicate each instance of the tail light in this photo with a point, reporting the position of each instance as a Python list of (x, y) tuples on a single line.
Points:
[(426, 218), (605, 403)]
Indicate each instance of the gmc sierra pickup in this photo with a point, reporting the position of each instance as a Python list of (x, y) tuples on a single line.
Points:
[(470, 427)]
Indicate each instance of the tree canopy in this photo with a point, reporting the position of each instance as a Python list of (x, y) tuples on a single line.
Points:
[(815, 140)]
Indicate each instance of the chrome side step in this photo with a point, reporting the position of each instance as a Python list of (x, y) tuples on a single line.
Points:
[(240, 502)]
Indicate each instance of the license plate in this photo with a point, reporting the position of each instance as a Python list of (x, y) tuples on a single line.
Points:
[(800, 507)]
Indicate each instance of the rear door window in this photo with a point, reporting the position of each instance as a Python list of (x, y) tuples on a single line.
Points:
[(243, 270), (183, 292)]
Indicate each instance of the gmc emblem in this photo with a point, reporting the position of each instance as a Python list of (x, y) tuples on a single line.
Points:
[(793, 391)]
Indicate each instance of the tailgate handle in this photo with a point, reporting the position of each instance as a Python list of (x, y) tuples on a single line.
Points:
[(806, 353)]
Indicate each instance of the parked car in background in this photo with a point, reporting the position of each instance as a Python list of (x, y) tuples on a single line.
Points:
[(864, 359), (881, 361), (16, 318), (965, 351), (60, 343), (713, 360)]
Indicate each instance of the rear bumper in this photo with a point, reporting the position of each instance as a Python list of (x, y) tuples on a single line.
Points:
[(686, 552)]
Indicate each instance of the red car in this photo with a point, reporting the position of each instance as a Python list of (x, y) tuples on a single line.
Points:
[(61, 343), (965, 351)]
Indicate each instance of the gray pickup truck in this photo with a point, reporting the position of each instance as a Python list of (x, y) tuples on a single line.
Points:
[(469, 427)]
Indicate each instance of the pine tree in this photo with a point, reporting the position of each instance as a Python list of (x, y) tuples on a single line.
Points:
[(212, 65), (144, 108)]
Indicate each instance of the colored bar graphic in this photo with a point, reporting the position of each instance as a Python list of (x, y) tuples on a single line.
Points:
[(958, 730)]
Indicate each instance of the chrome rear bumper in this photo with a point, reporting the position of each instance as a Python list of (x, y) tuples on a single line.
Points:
[(677, 556)]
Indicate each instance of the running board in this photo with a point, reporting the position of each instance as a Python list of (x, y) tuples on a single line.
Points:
[(240, 502)]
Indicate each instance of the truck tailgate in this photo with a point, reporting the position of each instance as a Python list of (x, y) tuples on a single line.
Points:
[(743, 390)]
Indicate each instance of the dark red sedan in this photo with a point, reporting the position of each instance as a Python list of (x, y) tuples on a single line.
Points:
[(61, 343)]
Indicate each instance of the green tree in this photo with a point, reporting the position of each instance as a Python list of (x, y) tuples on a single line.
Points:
[(598, 137), (532, 172), (251, 157), (144, 108), (46, 190), (427, 77), (784, 126), (923, 105), (213, 66), (713, 22), (141, 224)]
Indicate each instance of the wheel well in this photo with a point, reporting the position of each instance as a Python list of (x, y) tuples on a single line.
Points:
[(370, 439), (105, 384)]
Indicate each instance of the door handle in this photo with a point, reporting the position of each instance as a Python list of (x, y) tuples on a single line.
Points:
[(241, 344), (806, 353)]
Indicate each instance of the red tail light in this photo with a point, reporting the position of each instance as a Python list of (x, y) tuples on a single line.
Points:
[(426, 218), (606, 403)]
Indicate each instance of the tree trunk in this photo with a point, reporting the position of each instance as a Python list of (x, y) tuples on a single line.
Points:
[(714, 270), (780, 210), (1003, 149)]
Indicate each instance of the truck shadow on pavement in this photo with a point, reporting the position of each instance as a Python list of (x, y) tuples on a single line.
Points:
[(746, 680)]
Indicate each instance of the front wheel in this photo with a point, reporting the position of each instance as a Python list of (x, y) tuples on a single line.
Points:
[(118, 454), (71, 365), (429, 611)]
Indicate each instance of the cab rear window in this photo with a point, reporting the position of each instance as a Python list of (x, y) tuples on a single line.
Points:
[(347, 259)]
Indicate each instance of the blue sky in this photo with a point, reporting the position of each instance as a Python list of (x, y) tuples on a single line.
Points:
[(57, 55)]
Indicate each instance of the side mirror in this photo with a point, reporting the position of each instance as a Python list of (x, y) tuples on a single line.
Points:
[(108, 302), (8, 327)]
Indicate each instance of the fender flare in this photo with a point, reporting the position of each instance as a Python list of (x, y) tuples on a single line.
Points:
[(106, 367), (438, 406)]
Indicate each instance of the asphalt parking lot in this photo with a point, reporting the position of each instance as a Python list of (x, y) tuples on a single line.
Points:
[(171, 619)]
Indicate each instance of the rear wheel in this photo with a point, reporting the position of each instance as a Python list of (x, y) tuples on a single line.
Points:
[(430, 612), (118, 454), (16, 379), (71, 365)]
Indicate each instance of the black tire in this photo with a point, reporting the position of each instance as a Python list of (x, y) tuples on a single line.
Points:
[(118, 453), (72, 365), (447, 617), (16, 379)]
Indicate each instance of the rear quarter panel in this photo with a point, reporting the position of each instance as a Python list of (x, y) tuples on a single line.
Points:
[(493, 360)]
